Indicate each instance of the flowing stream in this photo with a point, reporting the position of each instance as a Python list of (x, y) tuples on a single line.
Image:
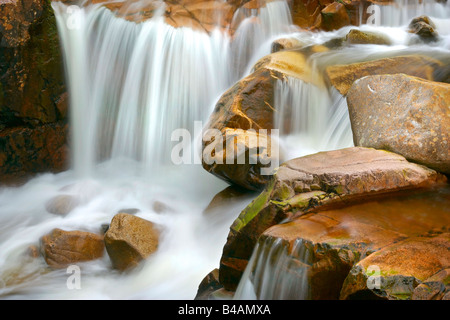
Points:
[(131, 85)]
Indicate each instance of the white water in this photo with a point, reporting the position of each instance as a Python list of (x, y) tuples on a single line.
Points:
[(130, 86), (276, 272)]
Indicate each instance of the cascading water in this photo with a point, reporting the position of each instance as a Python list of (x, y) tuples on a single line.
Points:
[(276, 272), (131, 84)]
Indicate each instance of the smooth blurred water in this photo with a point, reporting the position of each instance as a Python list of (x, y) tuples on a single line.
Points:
[(130, 86)]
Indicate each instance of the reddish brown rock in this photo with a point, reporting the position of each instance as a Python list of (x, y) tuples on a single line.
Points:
[(403, 114), (319, 249), (26, 151), (30, 63), (317, 181), (130, 240), (62, 248), (334, 16), (399, 269), (248, 106), (208, 285), (356, 36)]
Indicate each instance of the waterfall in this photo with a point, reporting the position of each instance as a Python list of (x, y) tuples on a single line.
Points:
[(276, 272), (402, 11), (130, 86), (133, 84), (310, 118)]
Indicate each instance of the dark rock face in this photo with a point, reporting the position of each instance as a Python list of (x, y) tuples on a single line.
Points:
[(26, 150), (32, 101)]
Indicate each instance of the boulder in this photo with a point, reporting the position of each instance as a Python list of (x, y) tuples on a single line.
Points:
[(208, 285), (62, 248), (396, 271), (355, 36), (424, 28), (130, 240), (342, 77), (32, 119), (334, 16), (285, 44), (434, 288), (406, 115), (244, 117), (321, 180), (329, 243), (26, 150)]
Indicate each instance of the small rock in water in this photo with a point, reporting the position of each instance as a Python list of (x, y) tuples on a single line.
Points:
[(424, 28), (61, 204), (129, 211), (160, 207), (129, 240), (356, 36), (62, 248)]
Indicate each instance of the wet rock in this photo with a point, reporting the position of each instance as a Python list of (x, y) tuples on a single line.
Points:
[(356, 36), (26, 151), (208, 285), (330, 242), (30, 63), (342, 77), (286, 43), (240, 117), (62, 248), (62, 204), (394, 272), (130, 240), (319, 180), (199, 15), (405, 115), (424, 28), (334, 16)]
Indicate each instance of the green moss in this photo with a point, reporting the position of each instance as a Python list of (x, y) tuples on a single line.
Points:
[(251, 210)]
